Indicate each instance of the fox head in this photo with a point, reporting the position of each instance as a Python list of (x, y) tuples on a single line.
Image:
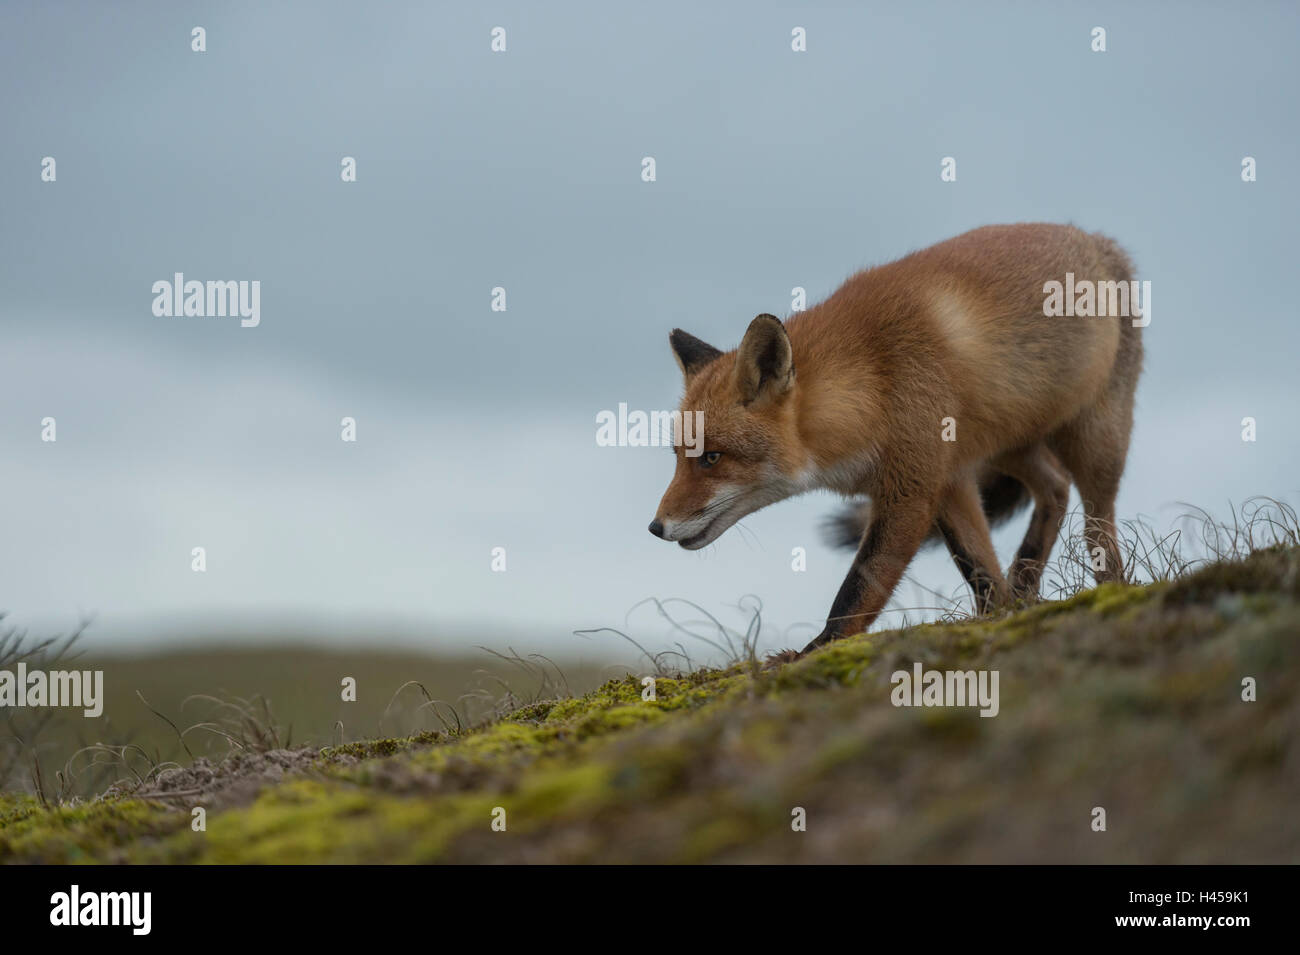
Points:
[(751, 454)]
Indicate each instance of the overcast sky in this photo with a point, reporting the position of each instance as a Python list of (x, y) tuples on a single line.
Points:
[(522, 169)]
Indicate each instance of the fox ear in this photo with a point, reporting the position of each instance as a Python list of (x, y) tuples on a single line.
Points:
[(691, 353), (765, 361)]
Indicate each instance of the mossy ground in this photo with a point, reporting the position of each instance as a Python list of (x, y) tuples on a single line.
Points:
[(1126, 698)]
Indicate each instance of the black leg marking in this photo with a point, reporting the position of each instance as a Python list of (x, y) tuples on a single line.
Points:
[(1027, 567), (980, 583), (851, 592), (1031, 549)]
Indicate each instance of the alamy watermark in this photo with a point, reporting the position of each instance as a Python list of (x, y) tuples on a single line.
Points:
[(641, 429), (1088, 299), (193, 299), (36, 688), (76, 907), (923, 687)]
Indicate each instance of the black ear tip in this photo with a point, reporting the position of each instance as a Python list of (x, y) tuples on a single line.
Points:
[(690, 351)]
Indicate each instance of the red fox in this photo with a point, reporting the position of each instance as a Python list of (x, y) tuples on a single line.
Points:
[(940, 390)]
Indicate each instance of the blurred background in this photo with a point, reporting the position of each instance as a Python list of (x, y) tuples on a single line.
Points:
[(522, 169)]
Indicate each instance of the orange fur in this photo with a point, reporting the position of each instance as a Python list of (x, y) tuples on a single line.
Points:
[(852, 395)]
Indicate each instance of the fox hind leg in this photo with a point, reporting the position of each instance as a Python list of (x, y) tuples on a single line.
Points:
[(1093, 447), (965, 531), (1098, 487), (1042, 472)]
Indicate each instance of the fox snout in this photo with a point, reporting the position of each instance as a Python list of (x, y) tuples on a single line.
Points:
[(692, 532), (682, 533)]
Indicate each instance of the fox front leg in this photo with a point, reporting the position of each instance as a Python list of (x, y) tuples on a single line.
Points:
[(891, 541)]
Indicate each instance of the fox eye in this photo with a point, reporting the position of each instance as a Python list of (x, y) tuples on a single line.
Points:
[(710, 458)]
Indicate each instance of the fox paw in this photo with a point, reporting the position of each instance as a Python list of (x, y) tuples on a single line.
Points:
[(780, 657)]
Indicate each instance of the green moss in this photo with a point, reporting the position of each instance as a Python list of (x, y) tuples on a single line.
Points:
[(615, 719), (670, 693), (842, 747), (15, 806), (533, 712), (840, 663), (371, 749), (715, 836), (100, 831), (309, 821), (1129, 695), (1272, 569)]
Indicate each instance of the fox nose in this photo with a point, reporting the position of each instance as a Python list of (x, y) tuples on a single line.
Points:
[(657, 528)]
